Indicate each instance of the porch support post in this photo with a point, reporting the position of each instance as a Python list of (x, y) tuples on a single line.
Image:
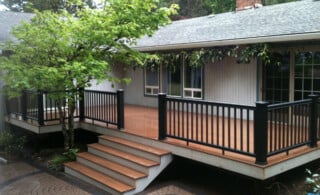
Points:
[(24, 106), (120, 108), (313, 121), (81, 104), (40, 108), (162, 116), (261, 132)]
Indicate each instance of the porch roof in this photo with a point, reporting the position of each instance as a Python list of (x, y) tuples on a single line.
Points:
[(277, 23)]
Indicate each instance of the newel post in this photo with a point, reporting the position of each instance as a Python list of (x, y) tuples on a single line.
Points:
[(24, 105), (313, 120), (81, 104), (162, 116), (40, 108), (120, 108), (261, 132)]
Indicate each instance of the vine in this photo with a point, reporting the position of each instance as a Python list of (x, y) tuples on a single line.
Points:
[(198, 58)]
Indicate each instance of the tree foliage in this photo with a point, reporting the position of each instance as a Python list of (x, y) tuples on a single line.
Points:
[(59, 52)]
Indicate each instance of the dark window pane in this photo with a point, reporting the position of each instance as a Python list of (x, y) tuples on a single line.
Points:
[(299, 71), (297, 96), (316, 85), (152, 76), (174, 81), (197, 94), (298, 84), (316, 58), (316, 71), (307, 84), (304, 58), (193, 77), (188, 94)]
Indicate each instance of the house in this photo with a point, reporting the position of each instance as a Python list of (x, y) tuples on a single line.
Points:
[(250, 116), (7, 21)]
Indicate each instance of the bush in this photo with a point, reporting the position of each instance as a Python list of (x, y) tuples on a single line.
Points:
[(313, 182), (10, 143), (57, 161)]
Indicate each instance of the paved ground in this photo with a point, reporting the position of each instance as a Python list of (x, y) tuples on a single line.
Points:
[(23, 177), (26, 177)]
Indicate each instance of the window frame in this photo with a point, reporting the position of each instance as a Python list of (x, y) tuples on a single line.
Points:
[(153, 88)]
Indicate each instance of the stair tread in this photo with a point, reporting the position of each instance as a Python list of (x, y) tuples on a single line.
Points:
[(99, 177), (136, 145), (124, 155), (112, 165)]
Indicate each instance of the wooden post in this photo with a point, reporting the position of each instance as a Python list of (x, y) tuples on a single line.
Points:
[(261, 133), (313, 121), (162, 116), (120, 108)]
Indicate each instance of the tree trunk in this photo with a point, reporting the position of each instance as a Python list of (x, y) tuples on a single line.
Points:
[(71, 109), (65, 133)]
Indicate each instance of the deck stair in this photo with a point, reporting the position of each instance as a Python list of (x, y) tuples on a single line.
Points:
[(118, 165)]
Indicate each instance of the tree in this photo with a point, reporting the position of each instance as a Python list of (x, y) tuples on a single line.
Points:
[(189, 8), (60, 52), (42, 5)]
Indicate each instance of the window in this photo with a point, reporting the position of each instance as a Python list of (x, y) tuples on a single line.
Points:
[(151, 86), (307, 74), (192, 82), (277, 77), (174, 81), (177, 79)]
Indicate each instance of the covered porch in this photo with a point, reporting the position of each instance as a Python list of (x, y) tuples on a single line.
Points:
[(269, 139)]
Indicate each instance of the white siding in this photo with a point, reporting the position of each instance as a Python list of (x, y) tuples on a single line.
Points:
[(134, 92), (230, 82), (118, 72)]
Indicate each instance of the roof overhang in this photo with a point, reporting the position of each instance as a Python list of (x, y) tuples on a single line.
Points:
[(218, 43)]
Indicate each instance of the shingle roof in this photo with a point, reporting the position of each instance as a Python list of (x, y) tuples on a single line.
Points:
[(281, 22), (10, 19)]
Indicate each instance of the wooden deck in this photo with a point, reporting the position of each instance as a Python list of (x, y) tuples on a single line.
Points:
[(143, 122)]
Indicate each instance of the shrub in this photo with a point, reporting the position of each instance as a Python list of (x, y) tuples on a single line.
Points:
[(313, 182), (57, 161), (10, 143)]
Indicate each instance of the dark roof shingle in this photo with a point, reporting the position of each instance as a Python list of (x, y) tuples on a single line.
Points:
[(281, 20)]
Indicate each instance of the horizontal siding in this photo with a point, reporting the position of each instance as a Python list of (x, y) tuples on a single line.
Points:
[(118, 72), (134, 92), (229, 82)]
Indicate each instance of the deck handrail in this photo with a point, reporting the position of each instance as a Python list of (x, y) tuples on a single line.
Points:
[(274, 131), (40, 107), (204, 120)]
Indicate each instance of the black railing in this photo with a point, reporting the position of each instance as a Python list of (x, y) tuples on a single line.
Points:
[(260, 131), (106, 107), (225, 126)]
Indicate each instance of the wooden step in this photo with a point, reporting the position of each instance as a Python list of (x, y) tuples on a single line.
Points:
[(128, 172), (124, 155), (99, 177), (135, 145)]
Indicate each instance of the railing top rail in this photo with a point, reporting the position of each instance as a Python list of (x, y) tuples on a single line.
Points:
[(287, 104), (103, 92), (210, 102)]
